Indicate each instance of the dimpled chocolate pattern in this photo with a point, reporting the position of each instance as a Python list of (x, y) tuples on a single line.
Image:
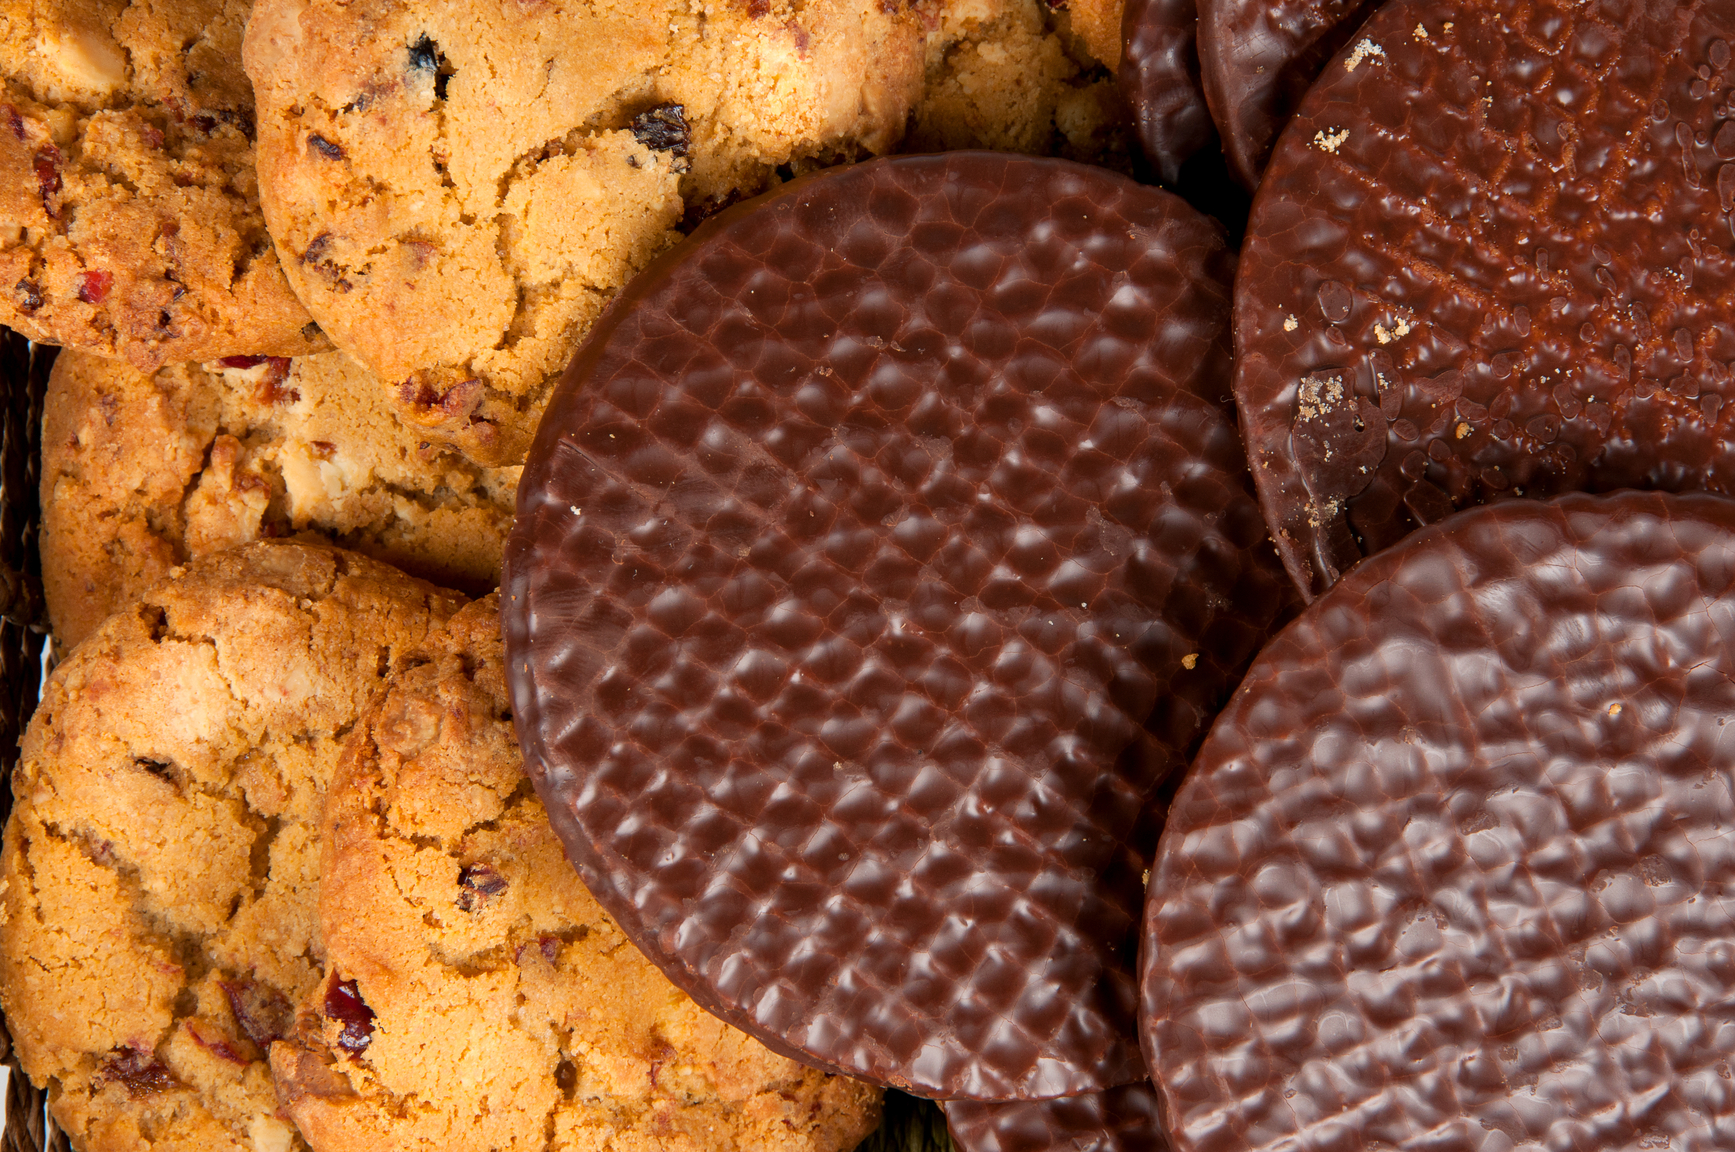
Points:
[(1123, 1119), (1491, 257), (1159, 77), (1257, 59), (855, 547), (1452, 871)]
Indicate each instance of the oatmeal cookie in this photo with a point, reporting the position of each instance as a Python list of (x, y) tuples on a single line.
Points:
[(458, 187), (476, 997), (129, 209), (159, 911), (142, 470), (1022, 76)]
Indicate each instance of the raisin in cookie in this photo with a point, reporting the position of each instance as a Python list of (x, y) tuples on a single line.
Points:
[(160, 873), (129, 209), (476, 997), (459, 186), (1022, 76), (142, 470)]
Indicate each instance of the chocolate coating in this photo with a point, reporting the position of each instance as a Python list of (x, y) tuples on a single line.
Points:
[(1257, 58), (1483, 263), (855, 547), (1123, 1119), (1159, 77), (1456, 867)]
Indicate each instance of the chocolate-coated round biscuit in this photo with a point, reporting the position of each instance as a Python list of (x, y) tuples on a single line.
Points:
[(1455, 869), (1159, 78), (1491, 256), (1257, 59), (855, 547), (1123, 1119)]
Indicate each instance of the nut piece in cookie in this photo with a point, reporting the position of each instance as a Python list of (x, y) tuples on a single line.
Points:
[(458, 190), (143, 470), (159, 880), (475, 996), (129, 210)]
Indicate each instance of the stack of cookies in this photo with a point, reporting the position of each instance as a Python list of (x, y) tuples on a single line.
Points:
[(637, 574)]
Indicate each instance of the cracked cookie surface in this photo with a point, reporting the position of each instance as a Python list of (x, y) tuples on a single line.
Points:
[(159, 912), (129, 209), (476, 996), (459, 188), (143, 470)]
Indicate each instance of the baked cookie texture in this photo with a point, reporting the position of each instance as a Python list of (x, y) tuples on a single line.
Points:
[(458, 187), (476, 996), (158, 911), (141, 471), (1021, 76), (129, 208)]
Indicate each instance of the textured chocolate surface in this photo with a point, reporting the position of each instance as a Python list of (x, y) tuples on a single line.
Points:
[(1453, 870), (854, 549), (1122, 1119), (1159, 77), (1491, 259), (1257, 59)]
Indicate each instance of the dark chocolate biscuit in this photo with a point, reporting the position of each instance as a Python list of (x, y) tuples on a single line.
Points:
[(1454, 868), (1491, 257), (1159, 77), (1123, 1119), (855, 547), (1257, 59)]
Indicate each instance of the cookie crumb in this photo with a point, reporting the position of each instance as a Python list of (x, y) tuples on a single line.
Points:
[(1290, 323), (1365, 49), (1190, 661), (1331, 139), (1386, 335), (1420, 33)]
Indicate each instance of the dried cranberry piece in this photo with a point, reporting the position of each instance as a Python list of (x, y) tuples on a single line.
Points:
[(270, 389), (262, 1012), (141, 1072), (343, 1003), (242, 361), (29, 294), (326, 148), (47, 165), (480, 883), (93, 286)]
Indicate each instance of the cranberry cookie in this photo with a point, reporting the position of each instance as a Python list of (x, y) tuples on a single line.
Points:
[(158, 889)]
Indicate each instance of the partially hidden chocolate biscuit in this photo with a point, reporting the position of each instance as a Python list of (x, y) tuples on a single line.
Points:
[(1124, 1119), (855, 548), (1257, 58), (1159, 78), (143, 471), (1453, 869), (1491, 257), (474, 995), (159, 883)]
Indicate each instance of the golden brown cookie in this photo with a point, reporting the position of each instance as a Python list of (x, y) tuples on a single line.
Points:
[(159, 910), (129, 210), (476, 997), (142, 470), (458, 187), (1022, 76)]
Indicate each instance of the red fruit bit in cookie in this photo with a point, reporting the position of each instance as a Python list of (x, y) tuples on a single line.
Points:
[(47, 164), (271, 389), (457, 400), (139, 1071), (218, 1045), (263, 1013), (29, 294), (13, 120), (242, 361), (326, 148), (344, 1004), (93, 286), (478, 884)]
